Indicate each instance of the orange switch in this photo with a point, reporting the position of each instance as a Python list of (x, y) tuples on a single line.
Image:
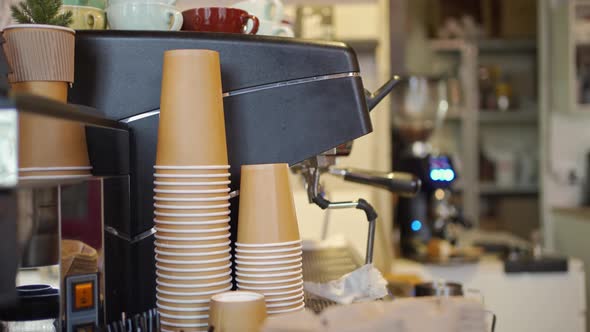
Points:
[(83, 295)]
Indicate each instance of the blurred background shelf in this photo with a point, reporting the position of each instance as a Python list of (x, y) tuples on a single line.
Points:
[(507, 45), (509, 117), (494, 189)]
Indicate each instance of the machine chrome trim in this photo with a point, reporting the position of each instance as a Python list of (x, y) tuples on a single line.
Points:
[(256, 89)]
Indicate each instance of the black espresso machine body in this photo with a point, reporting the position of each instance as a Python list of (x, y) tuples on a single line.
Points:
[(285, 100)]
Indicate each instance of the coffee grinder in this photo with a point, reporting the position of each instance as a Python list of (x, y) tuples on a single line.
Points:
[(420, 105)]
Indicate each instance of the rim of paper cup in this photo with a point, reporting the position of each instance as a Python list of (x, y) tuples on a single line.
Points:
[(208, 191), (195, 175), (192, 215), (166, 276), (255, 269), (166, 330), (207, 253), (212, 284), (197, 262), (262, 282), (198, 167), (286, 310), (165, 315), (193, 231), (297, 260), (203, 269), (188, 184), (160, 298), (164, 322), (300, 289), (54, 169), (274, 244), (191, 207), (269, 275), (279, 305), (269, 288), (299, 253), (183, 239), (264, 251), (192, 199), (192, 223), (51, 177), (165, 307), (234, 297), (193, 293), (192, 246), (298, 295), (45, 26)]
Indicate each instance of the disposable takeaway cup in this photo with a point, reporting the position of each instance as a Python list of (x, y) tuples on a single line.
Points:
[(269, 269), (182, 283), (193, 259), (183, 248), (197, 234), (188, 175), (283, 298), (186, 271), (191, 169), (183, 307), (237, 311), (164, 252), (268, 245), (267, 210), (269, 256), (217, 185), (264, 275), (196, 285), (195, 199), (167, 313), (267, 251), (165, 211), (178, 179), (268, 263), (281, 292), (191, 110), (269, 281), (185, 225), (60, 144), (184, 301), (198, 244), (286, 304), (180, 204), (192, 292), (203, 262), (187, 323), (266, 288), (196, 230), (190, 277), (299, 307)]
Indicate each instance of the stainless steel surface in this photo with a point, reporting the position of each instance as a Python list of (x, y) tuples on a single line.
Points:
[(370, 242), (437, 288), (404, 184), (38, 226)]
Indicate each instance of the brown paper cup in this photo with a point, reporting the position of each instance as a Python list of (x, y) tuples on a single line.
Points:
[(197, 236), (172, 267), (39, 53), (194, 282), (269, 269), (267, 209), (188, 170), (192, 292), (188, 307), (60, 143), (209, 199), (176, 243), (268, 250), (269, 280), (192, 125), (189, 276), (288, 305), (270, 255), (282, 292), (198, 285), (188, 213), (195, 259), (264, 275), (284, 298), (202, 181), (191, 252), (268, 287), (237, 312), (186, 248), (180, 227), (175, 312), (190, 322)]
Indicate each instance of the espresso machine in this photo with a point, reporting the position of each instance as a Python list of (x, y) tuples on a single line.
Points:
[(420, 106), (285, 100)]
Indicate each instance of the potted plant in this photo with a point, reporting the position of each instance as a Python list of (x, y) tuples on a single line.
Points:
[(40, 54)]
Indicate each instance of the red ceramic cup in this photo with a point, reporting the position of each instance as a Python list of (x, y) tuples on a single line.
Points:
[(219, 19)]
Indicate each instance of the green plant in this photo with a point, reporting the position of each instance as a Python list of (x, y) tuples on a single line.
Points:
[(41, 12)]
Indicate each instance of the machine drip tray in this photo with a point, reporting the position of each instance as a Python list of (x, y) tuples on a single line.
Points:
[(327, 264)]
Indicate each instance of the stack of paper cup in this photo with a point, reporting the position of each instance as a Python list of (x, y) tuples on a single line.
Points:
[(268, 252), (191, 181)]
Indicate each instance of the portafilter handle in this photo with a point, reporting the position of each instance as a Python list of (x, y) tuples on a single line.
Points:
[(404, 184)]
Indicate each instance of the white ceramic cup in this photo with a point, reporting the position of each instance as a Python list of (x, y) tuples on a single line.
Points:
[(143, 16)]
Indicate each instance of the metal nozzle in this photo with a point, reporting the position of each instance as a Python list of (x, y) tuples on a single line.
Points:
[(404, 184)]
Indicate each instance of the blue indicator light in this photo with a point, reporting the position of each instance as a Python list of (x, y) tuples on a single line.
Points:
[(416, 225), (442, 174)]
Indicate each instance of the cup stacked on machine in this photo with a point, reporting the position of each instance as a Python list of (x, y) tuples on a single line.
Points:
[(268, 251), (191, 186)]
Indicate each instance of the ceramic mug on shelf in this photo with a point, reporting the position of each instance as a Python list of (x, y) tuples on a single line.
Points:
[(85, 17), (269, 10), (143, 16), (220, 19)]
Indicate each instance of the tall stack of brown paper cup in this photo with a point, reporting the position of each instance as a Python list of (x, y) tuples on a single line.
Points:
[(191, 182), (268, 251), (42, 62)]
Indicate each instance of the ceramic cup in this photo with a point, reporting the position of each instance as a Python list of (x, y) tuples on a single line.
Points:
[(237, 311), (220, 19), (86, 17), (143, 16), (269, 10)]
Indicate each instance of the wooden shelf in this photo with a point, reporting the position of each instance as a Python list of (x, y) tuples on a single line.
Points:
[(494, 189)]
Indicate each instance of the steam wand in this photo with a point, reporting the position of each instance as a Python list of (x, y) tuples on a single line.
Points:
[(311, 173)]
